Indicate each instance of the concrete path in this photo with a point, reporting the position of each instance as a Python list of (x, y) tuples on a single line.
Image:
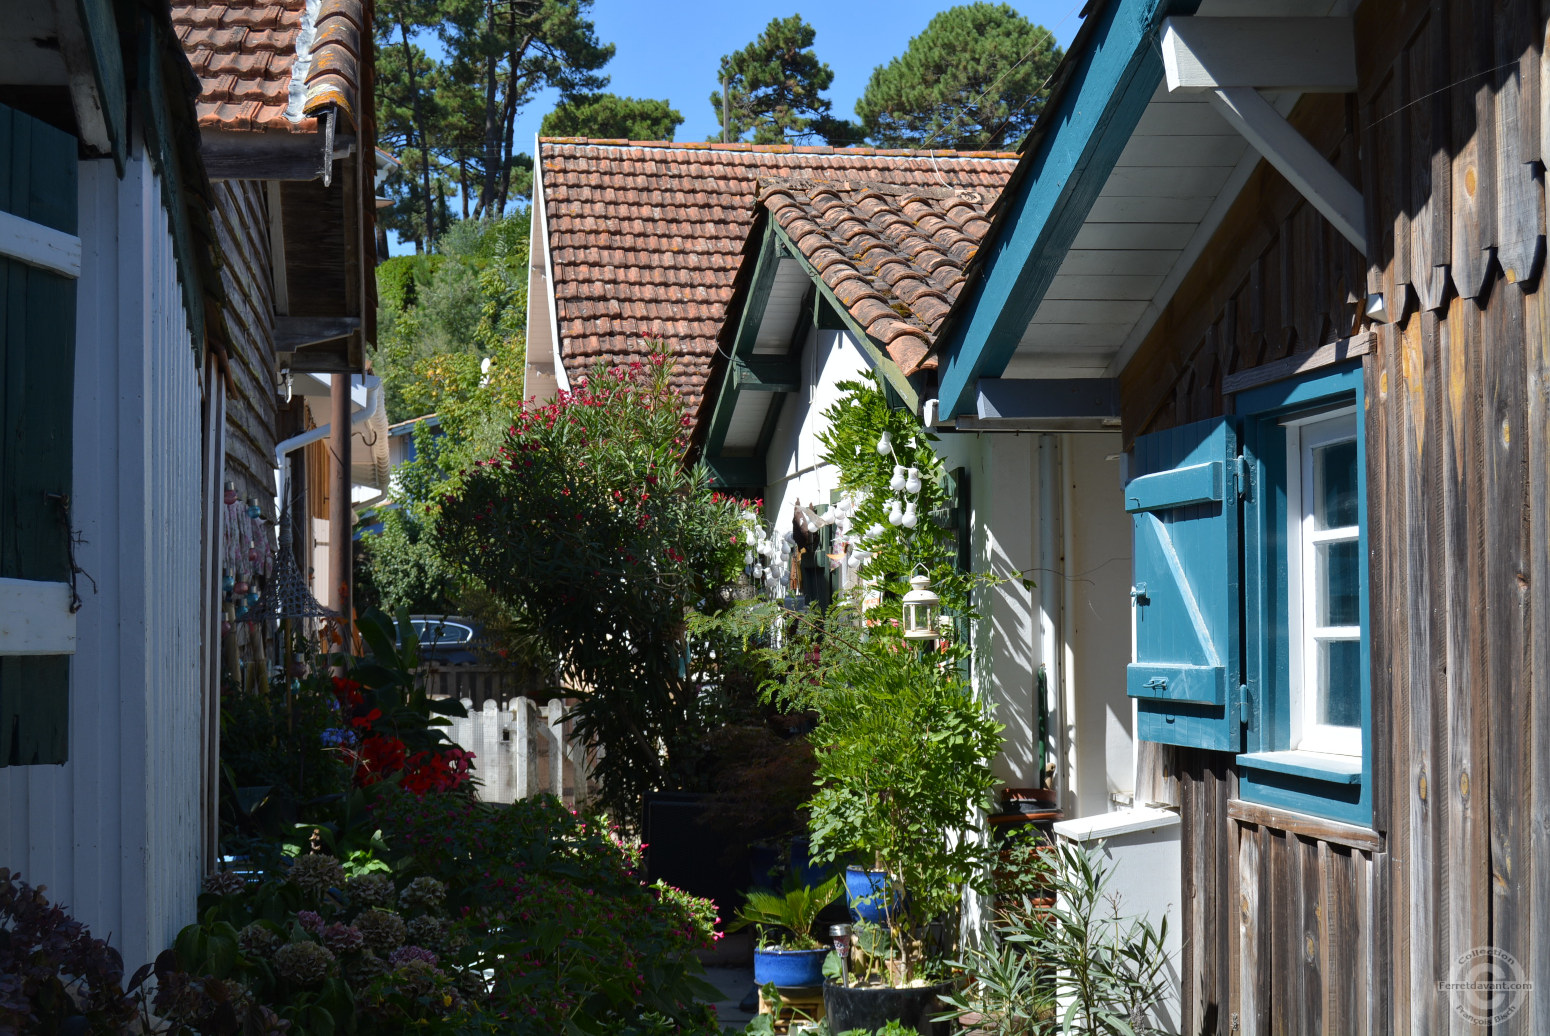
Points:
[(734, 984)]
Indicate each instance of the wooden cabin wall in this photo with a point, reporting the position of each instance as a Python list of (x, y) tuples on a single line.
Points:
[(242, 227), (1303, 927)]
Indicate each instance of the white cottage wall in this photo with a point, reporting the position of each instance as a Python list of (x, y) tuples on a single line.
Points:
[(794, 463), (115, 833)]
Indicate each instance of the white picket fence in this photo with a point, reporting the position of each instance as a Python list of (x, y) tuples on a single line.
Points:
[(522, 749)]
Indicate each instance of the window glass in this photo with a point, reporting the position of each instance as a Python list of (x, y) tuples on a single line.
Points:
[(1325, 599)]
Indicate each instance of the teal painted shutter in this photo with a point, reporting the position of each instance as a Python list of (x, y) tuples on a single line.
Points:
[(38, 171), (1184, 503)]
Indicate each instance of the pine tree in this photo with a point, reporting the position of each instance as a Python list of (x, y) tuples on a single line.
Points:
[(975, 79), (610, 117), (775, 86)]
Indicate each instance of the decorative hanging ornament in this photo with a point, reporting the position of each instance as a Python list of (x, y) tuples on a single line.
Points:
[(253, 509), (240, 588), (884, 445), (912, 482), (909, 520), (921, 606), (231, 493), (875, 531), (227, 580), (897, 482), (895, 514)]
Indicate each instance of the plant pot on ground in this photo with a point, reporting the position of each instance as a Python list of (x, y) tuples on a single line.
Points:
[(872, 1007), (787, 954)]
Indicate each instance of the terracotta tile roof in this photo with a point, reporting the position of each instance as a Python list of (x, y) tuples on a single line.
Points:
[(894, 255), (646, 237), (245, 54)]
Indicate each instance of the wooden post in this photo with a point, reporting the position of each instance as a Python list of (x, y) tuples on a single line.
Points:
[(340, 515)]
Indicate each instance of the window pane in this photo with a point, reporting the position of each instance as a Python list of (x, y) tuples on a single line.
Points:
[(1340, 683), (1339, 582), (1334, 485)]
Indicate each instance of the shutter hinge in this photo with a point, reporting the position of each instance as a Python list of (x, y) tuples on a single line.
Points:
[(1241, 473), (1243, 704)]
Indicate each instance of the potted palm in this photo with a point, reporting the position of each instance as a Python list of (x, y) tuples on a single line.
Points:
[(787, 956)]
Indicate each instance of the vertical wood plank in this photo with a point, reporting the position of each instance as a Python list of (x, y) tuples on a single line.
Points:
[(1315, 901), (1284, 936), (1537, 432), (1254, 962), (1421, 766), (1427, 161), (1461, 796), (1345, 966), (1519, 201), (1507, 619), (1474, 185)]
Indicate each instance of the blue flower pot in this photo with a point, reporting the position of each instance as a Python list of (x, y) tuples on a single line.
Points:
[(789, 969), (864, 892), (806, 871)]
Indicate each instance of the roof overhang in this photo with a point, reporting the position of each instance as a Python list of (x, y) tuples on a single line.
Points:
[(1157, 124), (759, 364)]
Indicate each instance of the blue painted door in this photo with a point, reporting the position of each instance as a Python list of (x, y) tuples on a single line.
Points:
[(1184, 503)]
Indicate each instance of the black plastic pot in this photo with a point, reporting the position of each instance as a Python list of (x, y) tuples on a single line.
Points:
[(872, 1007)]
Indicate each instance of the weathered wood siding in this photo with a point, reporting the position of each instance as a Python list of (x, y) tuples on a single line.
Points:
[(116, 833), (1302, 927), (242, 227)]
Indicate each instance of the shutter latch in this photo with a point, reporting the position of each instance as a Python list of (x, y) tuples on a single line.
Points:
[(1243, 704), (1138, 593)]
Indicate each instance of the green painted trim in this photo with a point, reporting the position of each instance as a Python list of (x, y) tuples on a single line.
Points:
[(736, 472), (1267, 624), (766, 374), (107, 63), (39, 176), (747, 332), (881, 361)]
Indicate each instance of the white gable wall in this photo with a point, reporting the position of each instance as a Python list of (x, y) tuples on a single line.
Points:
[(793, 464)]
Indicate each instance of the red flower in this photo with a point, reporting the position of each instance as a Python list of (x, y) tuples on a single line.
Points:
[(367, 720)]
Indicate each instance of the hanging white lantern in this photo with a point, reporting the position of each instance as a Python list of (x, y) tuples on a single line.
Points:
[(921, 606), (895, 514), (884, 445), (909, 519), (912, 482), (897, 482), (748, 557), (875, 531)]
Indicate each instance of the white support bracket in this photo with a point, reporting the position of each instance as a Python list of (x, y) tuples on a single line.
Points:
[(1299, 161), (1304, 55), (1231, 59)]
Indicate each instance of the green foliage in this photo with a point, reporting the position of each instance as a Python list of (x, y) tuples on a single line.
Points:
[(607, 116), (441, 315), (790, 914), (449, 117), (585, 522), (1107, 968), (902, 744), (775, 86), (976, 79)]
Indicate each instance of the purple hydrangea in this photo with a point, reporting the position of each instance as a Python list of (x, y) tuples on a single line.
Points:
[(404, 954)]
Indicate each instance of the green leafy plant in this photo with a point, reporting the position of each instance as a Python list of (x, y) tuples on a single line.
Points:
[(785, 920), (902, 744), (585, 522), (1079, 967)]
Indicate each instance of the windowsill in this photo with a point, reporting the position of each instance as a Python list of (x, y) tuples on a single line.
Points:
[(1314, 766)]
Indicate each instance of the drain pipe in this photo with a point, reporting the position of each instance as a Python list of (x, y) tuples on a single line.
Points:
[(312, 435)]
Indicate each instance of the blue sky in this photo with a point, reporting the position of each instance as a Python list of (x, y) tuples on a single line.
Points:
[(673, 49)]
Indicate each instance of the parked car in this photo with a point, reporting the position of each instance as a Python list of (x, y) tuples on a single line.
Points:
[(447, 639)]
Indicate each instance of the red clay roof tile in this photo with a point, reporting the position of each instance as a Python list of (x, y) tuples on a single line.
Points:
[(653, 233), (893, 254), (244, 54)]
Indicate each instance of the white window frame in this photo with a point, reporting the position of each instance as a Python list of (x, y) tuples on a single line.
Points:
[(1304, 434)]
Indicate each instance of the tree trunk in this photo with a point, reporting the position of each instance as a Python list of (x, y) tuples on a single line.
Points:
[(419, 128), (491, 124)]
